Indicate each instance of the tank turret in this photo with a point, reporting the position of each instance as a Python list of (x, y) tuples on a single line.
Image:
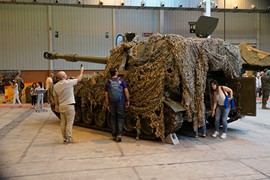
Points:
[(168, 78)]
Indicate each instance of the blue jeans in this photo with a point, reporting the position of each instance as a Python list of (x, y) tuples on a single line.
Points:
[(203, 130), (117, 119), (222, 113)]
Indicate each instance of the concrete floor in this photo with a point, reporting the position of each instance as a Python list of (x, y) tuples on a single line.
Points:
[(31, 148)]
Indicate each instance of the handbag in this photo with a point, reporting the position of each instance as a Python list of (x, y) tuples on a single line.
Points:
[(226, 100)]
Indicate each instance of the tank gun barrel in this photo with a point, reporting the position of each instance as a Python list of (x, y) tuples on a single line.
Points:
[(75, 58)]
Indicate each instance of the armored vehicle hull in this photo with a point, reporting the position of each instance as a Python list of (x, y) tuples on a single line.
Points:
[(168, 78)]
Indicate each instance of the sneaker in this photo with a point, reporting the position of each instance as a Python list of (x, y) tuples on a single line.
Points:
[(72, 141), (204, 135), (118, 139), (215, 134), (223, 136)]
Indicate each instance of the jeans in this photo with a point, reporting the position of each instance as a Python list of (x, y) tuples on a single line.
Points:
[(40, 101), (222, 113), (203, 130), (117, 119)]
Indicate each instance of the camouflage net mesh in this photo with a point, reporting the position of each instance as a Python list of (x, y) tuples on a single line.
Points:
[(160, 66)]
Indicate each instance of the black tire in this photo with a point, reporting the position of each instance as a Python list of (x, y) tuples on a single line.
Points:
[(100, 118), (130, 123), (145, 127), (78, 113), (87, 116)]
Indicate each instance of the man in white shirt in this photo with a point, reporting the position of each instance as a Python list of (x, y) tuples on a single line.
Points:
[(64, 103)]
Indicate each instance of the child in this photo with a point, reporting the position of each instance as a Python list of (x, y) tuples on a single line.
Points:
[(40, 96), (33, 95)]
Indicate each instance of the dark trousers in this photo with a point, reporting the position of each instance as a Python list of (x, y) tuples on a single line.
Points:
[(20, 95), (34, 100), (265, 96), (117, 119), (259, 91)]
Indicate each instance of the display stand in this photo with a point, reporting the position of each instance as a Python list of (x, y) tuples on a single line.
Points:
[(40, 94)]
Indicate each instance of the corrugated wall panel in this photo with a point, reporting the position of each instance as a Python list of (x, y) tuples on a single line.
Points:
[(138, 21), (24, 31), (23, 37), (265, 32), (176, 22), (239, 26), (82, 31)]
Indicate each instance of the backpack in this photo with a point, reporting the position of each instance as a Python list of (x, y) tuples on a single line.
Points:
[(115, 91)]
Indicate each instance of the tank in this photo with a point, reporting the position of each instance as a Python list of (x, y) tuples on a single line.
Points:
[(168, 79)]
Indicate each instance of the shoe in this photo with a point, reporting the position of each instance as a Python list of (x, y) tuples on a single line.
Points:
[(223, 136), (20, 106), (114, 138), (196, 136), (215, 134), (204, 135), (72, 141), (264, 106), (118, 139)]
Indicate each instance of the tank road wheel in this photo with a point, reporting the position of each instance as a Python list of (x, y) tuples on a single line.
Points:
[(100, 118), (87, 116), (130, 123), (78, 113), (146, 128)]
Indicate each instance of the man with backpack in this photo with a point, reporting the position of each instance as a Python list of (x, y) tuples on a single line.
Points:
[(117, 99)]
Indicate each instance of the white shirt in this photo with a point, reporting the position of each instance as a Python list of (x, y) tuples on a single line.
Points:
[(219, 96), (16, 88), (64, 91), (258, 82)]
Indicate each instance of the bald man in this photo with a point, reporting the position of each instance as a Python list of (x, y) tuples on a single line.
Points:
[(64, 103)]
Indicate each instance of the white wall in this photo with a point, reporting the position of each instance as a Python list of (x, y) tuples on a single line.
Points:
[(25, 31)]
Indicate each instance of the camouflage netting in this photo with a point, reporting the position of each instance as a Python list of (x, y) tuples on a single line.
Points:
[(165, 65), (253, 56)]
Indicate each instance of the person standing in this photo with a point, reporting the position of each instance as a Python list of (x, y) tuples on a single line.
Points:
[(33, 93), (265, 79), (49, 83), (19, 81), (16, 93), (258, 84), (117, 99), (40, 95), (64, 103), (219, 110)]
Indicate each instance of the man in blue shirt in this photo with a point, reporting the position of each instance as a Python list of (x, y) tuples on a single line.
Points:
[(117, 99)]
